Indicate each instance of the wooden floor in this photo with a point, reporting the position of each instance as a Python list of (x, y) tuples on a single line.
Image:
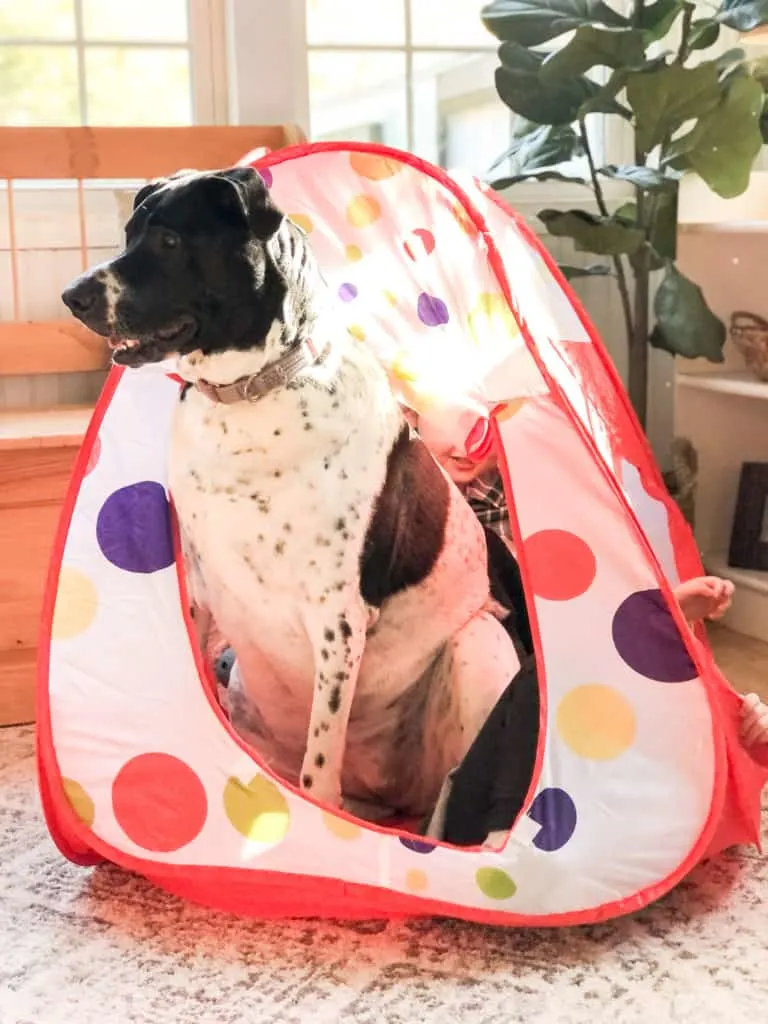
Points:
[(744, 661)]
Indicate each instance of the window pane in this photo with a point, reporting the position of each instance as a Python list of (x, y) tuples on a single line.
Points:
[(358, 96), (37, 19), (131, 86), (38, 85), (458, 119), (161, 21), (448, 23), (351, 22)]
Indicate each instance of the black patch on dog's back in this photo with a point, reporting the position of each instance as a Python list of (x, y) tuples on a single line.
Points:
[(407, 530)]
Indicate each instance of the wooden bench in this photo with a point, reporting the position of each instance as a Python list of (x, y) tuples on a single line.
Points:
[(38, 446)]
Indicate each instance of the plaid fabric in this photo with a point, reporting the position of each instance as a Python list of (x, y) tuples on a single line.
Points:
[(486, 497)]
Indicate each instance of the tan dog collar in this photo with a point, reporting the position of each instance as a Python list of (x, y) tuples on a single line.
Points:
[(257, 385)]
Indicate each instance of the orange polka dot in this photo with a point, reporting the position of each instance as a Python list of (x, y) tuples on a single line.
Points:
[(363, 210), (302, 221), (81, 802), (510, 409), (159, 802), (562, 566), (357, 332), (76, 604), (374, 167), (353, 253), (596, 722), (416, 880), (340, 827)]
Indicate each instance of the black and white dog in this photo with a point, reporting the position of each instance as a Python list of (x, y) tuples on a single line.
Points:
[(346, 571)]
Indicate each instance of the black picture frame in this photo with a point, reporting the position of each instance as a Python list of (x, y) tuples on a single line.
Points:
[(749, 533)]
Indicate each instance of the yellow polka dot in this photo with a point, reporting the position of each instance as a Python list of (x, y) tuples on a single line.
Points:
[(596, 722), (76, 604), (353, 253), (302, 221), (492, 315), (374, 167), (258, 810), (357, 332), (81, 803), (363, 210), (340, 827), (403, 367), (391, 298), (416, 880), (510, 409)]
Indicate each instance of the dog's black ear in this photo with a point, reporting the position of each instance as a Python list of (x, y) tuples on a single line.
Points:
[(147, 190), (254, 201), (152, 186)]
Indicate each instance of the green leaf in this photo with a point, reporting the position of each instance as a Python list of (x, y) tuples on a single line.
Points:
[(646, 178), (595, 47), (659, 18), (743, 15), (604, 236), (686, 326), (704, 33), (626, 213), (666, 98), (730, 61), (570, 273), (531, 22), (663, 229), (536, 175), (520, 86), (541, 145), (722, 147)]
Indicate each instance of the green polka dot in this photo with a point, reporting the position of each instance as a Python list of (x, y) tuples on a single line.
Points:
[(495, 884), (258, 810)]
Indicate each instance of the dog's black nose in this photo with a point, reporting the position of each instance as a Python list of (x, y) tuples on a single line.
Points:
[(81, 296)]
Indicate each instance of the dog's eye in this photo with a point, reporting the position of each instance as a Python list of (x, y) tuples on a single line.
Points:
[(168, 240)]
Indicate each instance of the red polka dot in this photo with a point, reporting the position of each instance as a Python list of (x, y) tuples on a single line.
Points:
[(93, 458), (159, 802), (562, 565)]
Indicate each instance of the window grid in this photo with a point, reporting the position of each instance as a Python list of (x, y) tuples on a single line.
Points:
[(81, 45), (410, 51)]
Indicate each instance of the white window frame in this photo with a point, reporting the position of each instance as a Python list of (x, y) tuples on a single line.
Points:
[(205, 45), (610, 135)]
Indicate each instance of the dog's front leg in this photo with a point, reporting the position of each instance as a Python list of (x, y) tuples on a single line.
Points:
[(338, 641)]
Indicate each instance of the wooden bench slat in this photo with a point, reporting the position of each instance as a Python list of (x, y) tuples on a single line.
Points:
[(50, 346), (126, 153)]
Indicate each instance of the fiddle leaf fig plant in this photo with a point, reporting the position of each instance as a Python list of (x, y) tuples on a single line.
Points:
[(688, 114)]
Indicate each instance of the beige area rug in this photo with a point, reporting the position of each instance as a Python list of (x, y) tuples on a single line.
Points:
[(104, 947)]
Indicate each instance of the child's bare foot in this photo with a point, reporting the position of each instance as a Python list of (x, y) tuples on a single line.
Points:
[(705, 597), (754, 721)]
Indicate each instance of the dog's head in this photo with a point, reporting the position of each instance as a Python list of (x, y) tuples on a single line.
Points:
[(201, 270)]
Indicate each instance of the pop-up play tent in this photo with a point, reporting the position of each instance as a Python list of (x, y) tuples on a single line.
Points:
[(639, 773)]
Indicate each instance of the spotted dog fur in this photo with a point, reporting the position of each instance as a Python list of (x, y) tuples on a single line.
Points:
[(345, 569)]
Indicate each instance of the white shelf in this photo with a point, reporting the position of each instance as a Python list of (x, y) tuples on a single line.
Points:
[(740, 382), (750, 579), (732, 227)]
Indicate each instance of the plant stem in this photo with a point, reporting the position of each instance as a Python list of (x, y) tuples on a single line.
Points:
[(618, 263)]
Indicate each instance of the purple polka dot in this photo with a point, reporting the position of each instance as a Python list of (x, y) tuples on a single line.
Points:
[(647, 639), (432, 311), (347, 292), (266, 177), (417, 845), (133, 528), (554, 810)]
